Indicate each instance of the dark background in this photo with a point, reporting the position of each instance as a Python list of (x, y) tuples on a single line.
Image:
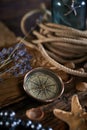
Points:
[(12, 11)]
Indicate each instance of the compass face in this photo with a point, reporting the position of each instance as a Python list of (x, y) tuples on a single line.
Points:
[(42, 84)]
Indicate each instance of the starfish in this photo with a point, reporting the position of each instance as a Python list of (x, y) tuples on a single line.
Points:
[(77, 118), (72, 8)]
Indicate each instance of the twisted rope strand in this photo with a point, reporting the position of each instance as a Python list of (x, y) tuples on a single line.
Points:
[(58, 65), (66, 40), (68, 29)]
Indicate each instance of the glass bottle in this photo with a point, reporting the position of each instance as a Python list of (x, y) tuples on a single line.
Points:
[(69, 12)]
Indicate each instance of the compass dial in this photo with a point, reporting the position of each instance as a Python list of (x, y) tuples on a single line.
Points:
[(42, 84)]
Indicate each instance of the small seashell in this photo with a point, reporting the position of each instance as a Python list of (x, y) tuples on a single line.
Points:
[(35, 114), (81, 86)]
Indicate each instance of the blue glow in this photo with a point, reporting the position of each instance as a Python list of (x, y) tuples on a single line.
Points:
[(7, 123), (29, 123), (83, 3), (1, 113), (50, 129), (58, 3), (19, 121), (39, 126), (14, 124), (1, 123), (32, 126), (6, 113), (12, 114)]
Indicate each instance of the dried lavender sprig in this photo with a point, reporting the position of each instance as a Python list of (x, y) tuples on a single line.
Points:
[(5, 62), (21, 60)]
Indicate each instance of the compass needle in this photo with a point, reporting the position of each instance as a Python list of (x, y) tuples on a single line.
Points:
[(46, 81), (39, 92), (45, 93), (34, 83), (51, 91), (40, 83)]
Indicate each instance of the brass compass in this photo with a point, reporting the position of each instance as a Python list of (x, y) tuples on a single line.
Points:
[(43, 85)]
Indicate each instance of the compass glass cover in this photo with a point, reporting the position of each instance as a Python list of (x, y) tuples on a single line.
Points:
[(42, 84)]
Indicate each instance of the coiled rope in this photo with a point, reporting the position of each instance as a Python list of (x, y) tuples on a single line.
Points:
[(59, 44)]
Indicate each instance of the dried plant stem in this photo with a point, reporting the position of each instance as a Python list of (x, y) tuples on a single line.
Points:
[(8, 60), (29, 44)]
